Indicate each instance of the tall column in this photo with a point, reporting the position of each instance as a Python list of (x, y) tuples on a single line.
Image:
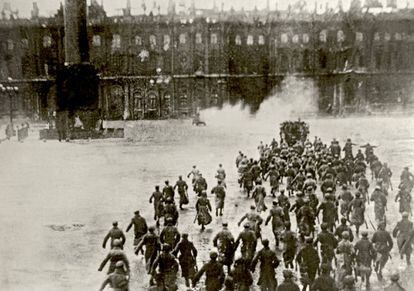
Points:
[(76, 37)]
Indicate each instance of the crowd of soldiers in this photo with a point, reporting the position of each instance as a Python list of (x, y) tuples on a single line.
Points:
[(320, 195)]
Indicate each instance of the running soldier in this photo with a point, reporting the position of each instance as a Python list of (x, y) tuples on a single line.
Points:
[(357, 207), (345, 197), (224, 242), (329, 212), (249, 242), (168, 191), (117, 280), (241, 275), (290, 242), (115, 255), (284, 202), (308, 260), (140, 227), (259, 194), (346, 257), (328, 244), (220, 192), (254, 220), (114, 234), (380, 203), (200, 184), (277, 216), (365, 256), (404, 198), (274, 180), (170, 212), (187, 258), (214, 274), (268, 262), (182, 188), (203, 208), (383, 245), (195, 173), (170, 235), (404, 233), (151, 241), (167, 266), (158, 204)]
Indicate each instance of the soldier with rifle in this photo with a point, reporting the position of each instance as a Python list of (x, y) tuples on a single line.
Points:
[(268, 263), (383, 245), (308, 260), (328, 244), (187, 258), (224, 242), (404, 233), (365, 255)]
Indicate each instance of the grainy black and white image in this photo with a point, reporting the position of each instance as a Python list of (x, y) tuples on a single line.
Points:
[(174, 145)]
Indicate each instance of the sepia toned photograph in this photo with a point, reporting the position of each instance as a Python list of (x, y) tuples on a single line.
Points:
[(222, 145)]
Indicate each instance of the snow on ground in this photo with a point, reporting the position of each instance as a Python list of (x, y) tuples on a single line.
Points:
[(59, 199)]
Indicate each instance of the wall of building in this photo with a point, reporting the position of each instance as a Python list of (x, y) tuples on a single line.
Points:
[(169, 65)]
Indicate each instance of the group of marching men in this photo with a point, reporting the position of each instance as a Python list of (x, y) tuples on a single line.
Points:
[(342, 199)]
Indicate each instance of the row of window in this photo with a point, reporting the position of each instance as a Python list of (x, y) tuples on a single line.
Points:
[(183, 38)]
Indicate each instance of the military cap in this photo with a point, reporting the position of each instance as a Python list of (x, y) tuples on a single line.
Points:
[(169, 219), (265, 242), (344, 186), (299, 194), (213, 255), (364, 233), (395, 277), (166, 247), (309, 240), (349, 280), (329, 189), (309, 175), (115, 223), (381, 224), (119, 264), (405, 214), (287, 274), (136, 212), (345, 234), (225, 224), (377, 187), (287, 224), (151, 228), (343, 220), (246, 225), (324, 226), (358, 194), (274, 202), (252, 207)]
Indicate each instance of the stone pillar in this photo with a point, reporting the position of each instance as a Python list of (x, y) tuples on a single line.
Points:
[(76, 37)]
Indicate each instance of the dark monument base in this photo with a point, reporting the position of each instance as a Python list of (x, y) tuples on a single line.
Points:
[(49, 134)]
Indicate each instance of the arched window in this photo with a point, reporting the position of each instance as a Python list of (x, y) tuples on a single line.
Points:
[(198, 38), (359, 36), (153, 41), (261, 40), (167, 41), (377, 36), (249, 40), (96, 40), (387, 36), (25, 43), (47, 41), (138, 40), (295, 38), (284, 38), (323, 36), (213, 38), (397, 36), (305, 38), (182, 38), (340, 36), (238, 40), (10, 44), (116, 42)]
